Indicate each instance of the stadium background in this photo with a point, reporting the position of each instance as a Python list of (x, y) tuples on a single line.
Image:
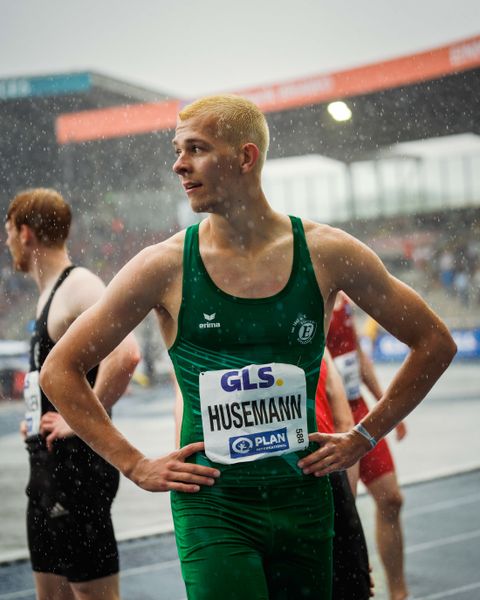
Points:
[(402, 174)]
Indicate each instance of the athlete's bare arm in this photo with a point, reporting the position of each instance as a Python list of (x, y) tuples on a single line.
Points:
[(343, 263), (149, 281), (116, 371), (82, 290), (78, 292), (369, 378)]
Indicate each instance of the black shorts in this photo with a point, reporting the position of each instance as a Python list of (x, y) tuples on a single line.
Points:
[(351, 578), (69, 525)]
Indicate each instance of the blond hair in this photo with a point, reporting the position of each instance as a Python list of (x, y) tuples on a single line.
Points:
[(237, 119), (45, 212)]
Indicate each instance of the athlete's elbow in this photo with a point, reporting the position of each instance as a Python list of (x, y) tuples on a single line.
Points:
[(48, 375), (129, 364), (53, 375), (442, 346), (449, 349), (134, 357), (130, 356)]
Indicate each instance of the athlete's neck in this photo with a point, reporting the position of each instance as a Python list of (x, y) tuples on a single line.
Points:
[(47, 264), (243, 227)]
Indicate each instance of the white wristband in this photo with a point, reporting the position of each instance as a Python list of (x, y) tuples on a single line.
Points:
[(359, 428)]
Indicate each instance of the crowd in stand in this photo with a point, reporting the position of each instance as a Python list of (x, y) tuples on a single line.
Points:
[(440, 251), (443, 250)]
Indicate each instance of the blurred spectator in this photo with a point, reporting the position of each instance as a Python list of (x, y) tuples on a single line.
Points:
[(446, 265), (461, 285), (476, 285)]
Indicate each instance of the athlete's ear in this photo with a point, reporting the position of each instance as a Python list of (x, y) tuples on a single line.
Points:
[(249, 157), (27, 235)]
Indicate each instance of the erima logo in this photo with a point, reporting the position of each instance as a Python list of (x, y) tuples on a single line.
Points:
[(210, 322)]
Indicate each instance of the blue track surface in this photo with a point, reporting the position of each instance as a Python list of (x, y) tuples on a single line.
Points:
[(442, 541)]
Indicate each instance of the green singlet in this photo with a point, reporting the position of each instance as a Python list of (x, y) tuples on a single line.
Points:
[(264, 530)]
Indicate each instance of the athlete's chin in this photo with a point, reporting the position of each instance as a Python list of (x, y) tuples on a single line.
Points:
[(202, 206)]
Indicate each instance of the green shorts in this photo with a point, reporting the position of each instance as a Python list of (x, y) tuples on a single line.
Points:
[(260, 543)]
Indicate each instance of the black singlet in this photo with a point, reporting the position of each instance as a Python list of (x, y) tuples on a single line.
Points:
[(41, 343)]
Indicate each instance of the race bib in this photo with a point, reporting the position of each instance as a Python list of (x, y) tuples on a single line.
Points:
[(349, 369), (33, 403), (253, 413)]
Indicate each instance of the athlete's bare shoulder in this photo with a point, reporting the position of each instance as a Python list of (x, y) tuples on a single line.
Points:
[(80, 290), (79, 277), (166, 257), (320, 234), (151, 276), (328, 243), (173, 246)]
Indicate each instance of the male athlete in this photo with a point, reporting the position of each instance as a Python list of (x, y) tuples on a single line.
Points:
[(377, 470), (351, 573), (71, 541), (243, 300)]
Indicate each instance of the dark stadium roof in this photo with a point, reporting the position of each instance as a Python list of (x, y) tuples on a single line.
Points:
[(29, 107), (87, 89), (445, 106), (428, 94), (68, 127)]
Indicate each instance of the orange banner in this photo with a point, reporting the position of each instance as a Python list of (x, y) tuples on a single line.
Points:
[(363, 80), (143, 118), (118, 121)]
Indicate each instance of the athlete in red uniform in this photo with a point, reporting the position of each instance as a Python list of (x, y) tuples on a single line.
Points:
[(323, 412), (377, 470)]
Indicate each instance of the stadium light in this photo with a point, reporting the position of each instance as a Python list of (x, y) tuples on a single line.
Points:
[(339, 111)]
